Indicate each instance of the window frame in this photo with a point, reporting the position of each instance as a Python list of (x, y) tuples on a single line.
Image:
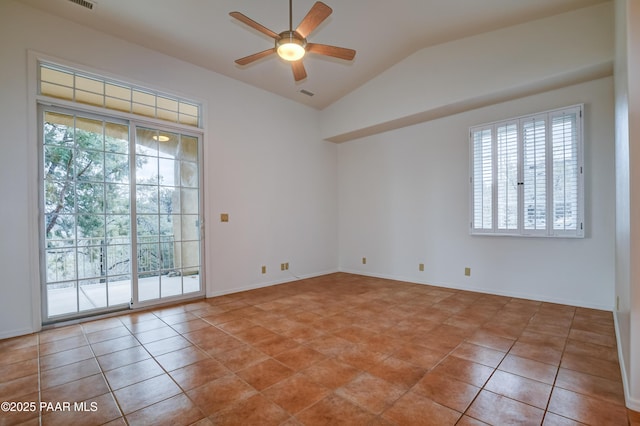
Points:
[(549, 229)]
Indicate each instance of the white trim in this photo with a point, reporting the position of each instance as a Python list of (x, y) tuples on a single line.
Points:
[(33, 185), (631, 403)]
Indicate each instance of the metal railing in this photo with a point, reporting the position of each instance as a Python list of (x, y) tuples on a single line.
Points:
[(97, 258)]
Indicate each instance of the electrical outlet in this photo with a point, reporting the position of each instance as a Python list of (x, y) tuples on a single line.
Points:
[(364, 260), (224, 217), (282, 266), (421, 267), (264, 269), (286, 266), (467, 271)]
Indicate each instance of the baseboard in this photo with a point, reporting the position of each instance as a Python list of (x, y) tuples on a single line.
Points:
[(631, 402), (477, 289), (15, 333), (292, 277)]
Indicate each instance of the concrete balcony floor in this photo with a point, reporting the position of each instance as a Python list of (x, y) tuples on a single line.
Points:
[(68, 300)]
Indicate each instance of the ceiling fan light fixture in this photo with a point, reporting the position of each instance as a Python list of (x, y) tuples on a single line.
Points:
[(290, 47)]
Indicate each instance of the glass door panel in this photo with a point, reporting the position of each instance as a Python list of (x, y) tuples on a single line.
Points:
[(86, 222), (167, 214)]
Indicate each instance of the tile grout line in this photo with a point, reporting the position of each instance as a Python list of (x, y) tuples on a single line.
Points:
[(555, 378), (182, 391), (486, 381), (102, 373)]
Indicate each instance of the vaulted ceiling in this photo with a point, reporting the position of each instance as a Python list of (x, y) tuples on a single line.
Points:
[(382, 32)]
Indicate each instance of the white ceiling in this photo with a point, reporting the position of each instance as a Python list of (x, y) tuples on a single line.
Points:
[(382, 32)]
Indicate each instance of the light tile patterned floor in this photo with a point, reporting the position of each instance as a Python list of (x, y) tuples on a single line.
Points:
[(337, 349)]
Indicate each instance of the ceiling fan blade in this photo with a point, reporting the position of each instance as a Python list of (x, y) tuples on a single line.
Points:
[(336, 52), (318, 13), (253, 24), (252, 58), (299, 73)]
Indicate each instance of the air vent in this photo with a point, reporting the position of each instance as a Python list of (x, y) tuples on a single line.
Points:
[(306, 92), (83, 3)]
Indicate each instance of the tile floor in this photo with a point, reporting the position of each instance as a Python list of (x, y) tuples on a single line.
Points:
[(337, 349)]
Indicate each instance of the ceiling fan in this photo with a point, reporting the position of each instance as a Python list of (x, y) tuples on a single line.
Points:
[(291, 45)]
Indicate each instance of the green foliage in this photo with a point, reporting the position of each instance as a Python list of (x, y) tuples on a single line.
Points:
[(76, 171), (87, 202)]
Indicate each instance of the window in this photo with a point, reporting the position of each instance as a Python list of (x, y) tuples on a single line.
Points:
[(527, 175), (71, 85)]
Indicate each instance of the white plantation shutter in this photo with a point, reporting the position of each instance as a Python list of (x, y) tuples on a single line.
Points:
[(482, 179), (566, 171), (534, 173), (507, 176), (526, 176)]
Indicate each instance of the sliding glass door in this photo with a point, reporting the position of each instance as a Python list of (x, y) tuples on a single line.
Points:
[(121, 214)]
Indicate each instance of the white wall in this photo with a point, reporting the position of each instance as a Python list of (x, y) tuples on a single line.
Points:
[(627, 113), (488, 68), (404, 200), (277, 184)]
